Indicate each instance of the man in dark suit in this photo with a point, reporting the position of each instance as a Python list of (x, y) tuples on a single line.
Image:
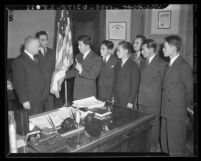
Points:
[(46, 58), (126, 77), (106, 76), (177, 95), (86, 70), (152, 71), (28, 78), (137, 46)]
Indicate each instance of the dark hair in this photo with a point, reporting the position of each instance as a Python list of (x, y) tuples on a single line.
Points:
[(85, 39), (127, 45), (108, 44), (175, 41), (38, 34), (141, 37), (92, 126), (150, 44)]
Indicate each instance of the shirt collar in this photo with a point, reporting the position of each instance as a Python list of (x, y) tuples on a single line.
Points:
[(151, 58), (42, 50), (106, 58), (29, 54), (173, 59), (85, 54)]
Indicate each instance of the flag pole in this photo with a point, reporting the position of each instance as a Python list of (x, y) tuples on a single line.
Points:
[(65, 92)]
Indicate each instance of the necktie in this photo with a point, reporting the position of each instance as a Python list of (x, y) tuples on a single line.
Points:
[(35, 58), (168, 65), (45, 52), (146, 63), (122, 63), (104, 60), (83, 57)]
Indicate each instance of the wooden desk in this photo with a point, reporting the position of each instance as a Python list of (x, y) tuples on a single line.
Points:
[(129, 132)]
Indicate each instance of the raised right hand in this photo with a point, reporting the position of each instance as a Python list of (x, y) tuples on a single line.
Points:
[(27, 105)]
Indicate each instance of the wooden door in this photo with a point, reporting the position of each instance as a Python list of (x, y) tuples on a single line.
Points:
[(91, 23)]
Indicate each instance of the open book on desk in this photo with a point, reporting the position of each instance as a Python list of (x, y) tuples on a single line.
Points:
[(90, 102)]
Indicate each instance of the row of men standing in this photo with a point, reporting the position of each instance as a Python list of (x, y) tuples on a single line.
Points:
[(153, 86), (149, 84)]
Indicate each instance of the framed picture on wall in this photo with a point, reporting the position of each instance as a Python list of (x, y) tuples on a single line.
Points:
[(117, 30), (164, 20)]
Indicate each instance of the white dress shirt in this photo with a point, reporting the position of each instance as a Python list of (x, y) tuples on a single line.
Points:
[(29, 54), (124, 61), (106, 58), (85, 54), (173, 59), (43, 51), (151, 58)]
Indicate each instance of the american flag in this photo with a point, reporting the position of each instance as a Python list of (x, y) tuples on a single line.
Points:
[(64, 52)]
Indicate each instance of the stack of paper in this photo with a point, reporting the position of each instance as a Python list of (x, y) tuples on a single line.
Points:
[(89, 102)]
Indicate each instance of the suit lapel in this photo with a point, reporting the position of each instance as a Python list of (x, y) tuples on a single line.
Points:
[(109, 62), (30, 61), (87, 57), (153, 63), (27, 58), (41, 57), (125, 66)]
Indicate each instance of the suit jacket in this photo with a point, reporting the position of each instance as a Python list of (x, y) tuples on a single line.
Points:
[(85, 83), (151, 82), (106, 78), (29, 80), (177, 90), (47, 63), (126, 83)]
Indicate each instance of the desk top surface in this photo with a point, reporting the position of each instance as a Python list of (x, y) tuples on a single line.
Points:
[(121, 118)]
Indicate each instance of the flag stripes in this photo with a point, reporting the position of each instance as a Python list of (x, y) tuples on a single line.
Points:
[(64, 52)]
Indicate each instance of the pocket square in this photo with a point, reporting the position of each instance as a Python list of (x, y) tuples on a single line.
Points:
[(112, 66)]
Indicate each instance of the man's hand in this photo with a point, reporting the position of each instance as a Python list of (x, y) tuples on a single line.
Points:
[(130, 105), (9, 85), (27, 105), (78, 67)]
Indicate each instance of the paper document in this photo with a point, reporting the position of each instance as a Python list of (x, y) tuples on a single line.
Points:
[(57, 117), (89, 102), (41, 121)]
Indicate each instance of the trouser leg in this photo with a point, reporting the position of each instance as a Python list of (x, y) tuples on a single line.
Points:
[(163, 135), (176, 137)]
